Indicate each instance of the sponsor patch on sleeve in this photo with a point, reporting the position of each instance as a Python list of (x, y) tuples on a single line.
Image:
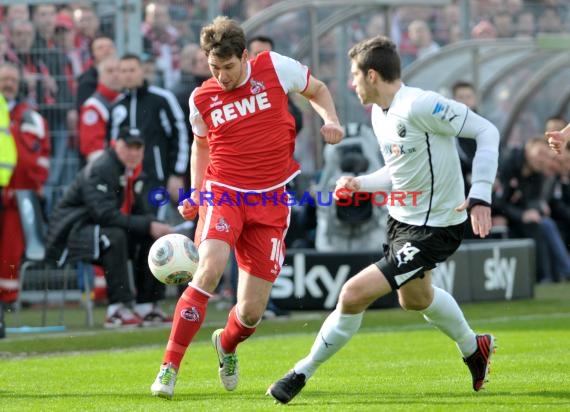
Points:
[(444, 111)]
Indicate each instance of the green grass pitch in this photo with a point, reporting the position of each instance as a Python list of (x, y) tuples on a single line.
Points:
[(396, 363)]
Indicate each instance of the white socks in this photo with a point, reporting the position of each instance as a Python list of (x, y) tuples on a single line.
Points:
[(335, 332), (445, 314), (338, 329)]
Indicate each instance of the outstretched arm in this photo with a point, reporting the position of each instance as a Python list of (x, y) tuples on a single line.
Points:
[(321, 100)]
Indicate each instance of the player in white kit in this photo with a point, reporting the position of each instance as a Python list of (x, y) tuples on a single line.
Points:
[(416, 132)]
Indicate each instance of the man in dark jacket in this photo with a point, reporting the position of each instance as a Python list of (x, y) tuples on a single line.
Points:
[(155, 112), (523, 199), (101, 48), (103, 218)]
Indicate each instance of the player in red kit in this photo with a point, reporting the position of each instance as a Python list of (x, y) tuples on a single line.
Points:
[(244, 138)]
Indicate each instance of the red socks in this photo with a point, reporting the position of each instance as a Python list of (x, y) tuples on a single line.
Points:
[(234, 332), (188, 317)]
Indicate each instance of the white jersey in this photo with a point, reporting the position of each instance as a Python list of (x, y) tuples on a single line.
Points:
[(417, 140)]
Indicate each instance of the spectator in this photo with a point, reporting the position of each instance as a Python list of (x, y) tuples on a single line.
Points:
[(484, 30), (375, 26), (514, 7), (150, 71), (157, 115), (14, 12), (560, 201), (162, 42), (421, 37), (554, 123), (181, 21), (550, 21), (59, 111), (503, 22), (30, 133), (523, 201), (39, 85), (194, 70), (464, 92), (557, 139), (8, 150), (88, 28), (63, 39), (94, 113), (525, 27), (101, 48), (103, 218), (43, 17)]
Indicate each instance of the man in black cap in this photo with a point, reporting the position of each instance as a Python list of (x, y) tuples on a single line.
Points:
[(104, 217)]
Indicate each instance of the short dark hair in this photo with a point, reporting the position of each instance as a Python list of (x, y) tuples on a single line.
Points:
[(261, 39), (556, 117), (461, 84), (379, 54), (131, 56), (98, 37)]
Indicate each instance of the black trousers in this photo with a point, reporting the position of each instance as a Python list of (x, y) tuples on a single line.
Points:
[(122, 247)]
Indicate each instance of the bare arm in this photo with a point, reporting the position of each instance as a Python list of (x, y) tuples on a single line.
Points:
[(199, 161), (321, 100)]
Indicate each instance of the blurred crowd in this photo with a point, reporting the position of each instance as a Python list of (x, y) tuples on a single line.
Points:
[(62, 77)]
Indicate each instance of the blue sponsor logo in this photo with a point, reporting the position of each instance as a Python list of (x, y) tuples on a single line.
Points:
[(439, 107)]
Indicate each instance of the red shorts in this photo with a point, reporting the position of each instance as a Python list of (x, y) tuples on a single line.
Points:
[(254, 224)]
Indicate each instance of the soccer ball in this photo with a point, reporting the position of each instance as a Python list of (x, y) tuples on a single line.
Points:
[(173, 259)]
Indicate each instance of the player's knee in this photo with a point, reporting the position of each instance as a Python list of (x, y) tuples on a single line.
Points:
[(207, 276), (248, 316), (416, 303), (350, 301)]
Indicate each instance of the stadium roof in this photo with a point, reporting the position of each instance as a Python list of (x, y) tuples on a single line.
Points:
[(520, 83)]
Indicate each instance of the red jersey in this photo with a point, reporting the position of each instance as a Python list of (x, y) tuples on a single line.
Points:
[(250, 131), (32, 139), (93, 119)]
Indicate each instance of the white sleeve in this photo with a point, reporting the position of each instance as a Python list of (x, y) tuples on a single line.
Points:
[(439, 115), (199, 127), (292, 74), (485, 162), (377, 181)]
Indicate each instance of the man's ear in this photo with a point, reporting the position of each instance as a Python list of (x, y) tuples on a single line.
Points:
[(372, 76), (245, 56)]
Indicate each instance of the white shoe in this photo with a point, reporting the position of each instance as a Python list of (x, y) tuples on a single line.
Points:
[(229, 371), (163, 385)]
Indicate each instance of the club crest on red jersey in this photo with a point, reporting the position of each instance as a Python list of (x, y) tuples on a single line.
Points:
[(256, 87), (222, 225)]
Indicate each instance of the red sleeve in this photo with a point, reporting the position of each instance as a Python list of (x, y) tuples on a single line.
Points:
[(92, 131)]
